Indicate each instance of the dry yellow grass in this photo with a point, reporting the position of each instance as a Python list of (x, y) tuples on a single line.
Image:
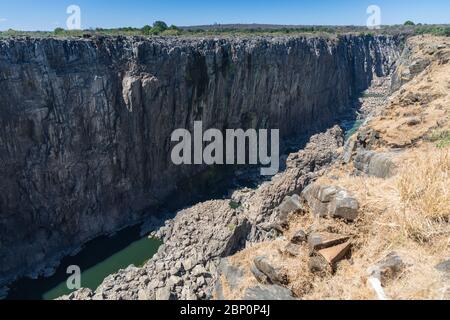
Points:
[(424, 187), (408, 213)]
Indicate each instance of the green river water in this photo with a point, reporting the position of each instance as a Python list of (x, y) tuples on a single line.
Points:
[(97, 260)]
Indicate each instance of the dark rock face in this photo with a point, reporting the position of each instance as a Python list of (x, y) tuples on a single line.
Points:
[(86, 123)]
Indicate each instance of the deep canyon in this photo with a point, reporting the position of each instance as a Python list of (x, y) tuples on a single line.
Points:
[(86, 123)]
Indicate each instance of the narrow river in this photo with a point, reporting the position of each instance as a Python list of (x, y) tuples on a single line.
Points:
[(98, 259)]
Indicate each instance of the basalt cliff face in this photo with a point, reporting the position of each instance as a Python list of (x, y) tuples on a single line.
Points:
[(86, 123)]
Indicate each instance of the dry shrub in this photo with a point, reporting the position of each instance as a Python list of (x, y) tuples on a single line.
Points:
[(424, 188)]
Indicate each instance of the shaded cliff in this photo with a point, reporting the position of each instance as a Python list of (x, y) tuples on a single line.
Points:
[(86, 123)]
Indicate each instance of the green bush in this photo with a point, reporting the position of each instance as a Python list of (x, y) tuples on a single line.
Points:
[(58, 31), (146, 30), (434, 30), (161, 25), (409, 23)]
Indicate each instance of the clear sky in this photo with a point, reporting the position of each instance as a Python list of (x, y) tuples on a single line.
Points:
[(49, 14)]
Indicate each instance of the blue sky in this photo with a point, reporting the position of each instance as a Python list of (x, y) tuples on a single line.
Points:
[(49, 14)]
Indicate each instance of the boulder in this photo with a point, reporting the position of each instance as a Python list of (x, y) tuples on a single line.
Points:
[(413, 121), (164, 294), (324, 240), (293, 249), (290, 204), (188, 294), (268, 292), (344, 206), (188, 264), (331, 201), (199, 270), (444, 267), (201, 281), (319, 265), (375, 164), (388, 268), (299, 237), (275, 275), (144, 295), (335, 254), (174, 281), (82, 294), (233, 275), (311, 195), (260, 276)]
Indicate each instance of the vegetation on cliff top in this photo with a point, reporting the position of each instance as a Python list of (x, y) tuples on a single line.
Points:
[(160, 28)]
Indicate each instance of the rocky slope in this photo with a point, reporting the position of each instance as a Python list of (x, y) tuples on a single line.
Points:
[(375, 223), (86, 123), (362, 220)]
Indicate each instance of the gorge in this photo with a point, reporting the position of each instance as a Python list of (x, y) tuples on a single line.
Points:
[(86, 123)]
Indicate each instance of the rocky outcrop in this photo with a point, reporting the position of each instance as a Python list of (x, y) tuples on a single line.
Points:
[(409, 66), (331, 201), (376, 164), (86, 123)]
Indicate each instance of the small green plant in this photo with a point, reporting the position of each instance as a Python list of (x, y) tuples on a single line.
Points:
[(234, 204), (437, 135), (441, 138), (231, 227), (444, 142), (409, 23)]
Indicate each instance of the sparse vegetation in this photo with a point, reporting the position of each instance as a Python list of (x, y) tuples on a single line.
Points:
[(160, 28), (234, 205), (444, 142), (433, 30), (440, 137)]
